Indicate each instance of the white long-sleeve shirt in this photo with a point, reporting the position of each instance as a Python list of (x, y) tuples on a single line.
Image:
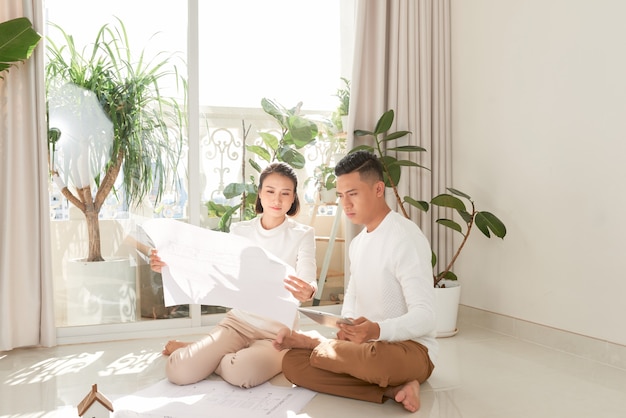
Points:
[(292, 242), (391, 282)]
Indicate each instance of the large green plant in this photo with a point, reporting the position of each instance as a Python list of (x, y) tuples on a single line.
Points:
[(296, 132), (147, 128), (486, 222), (18, 40)]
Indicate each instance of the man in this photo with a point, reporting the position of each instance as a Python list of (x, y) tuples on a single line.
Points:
[(391, 347)]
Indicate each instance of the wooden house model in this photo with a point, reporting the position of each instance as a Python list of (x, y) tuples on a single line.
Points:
[(95, 405)]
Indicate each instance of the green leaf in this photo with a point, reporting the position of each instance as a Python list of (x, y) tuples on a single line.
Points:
[(396, 135), (448, 276), (254, 165), (303, 131), (360, 132), (275, 110), (459, 193), (486, 221), (450, 224), (448, 201), (18, 40), (270, 140), (260, 151), (407, 148), (234, 189), (362, 148), (384, 123), (291, 157), (408, 163), (420, 204), (394, 170)]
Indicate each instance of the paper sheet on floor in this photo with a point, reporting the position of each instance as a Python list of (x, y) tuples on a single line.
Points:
[(213, 268), (214, 398)]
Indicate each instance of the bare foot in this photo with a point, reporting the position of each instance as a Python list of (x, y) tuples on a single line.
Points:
[(287, 338), (173, 345), (408, 395)]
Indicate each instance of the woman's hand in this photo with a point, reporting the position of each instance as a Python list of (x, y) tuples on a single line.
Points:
[(301, 290), (156, 264), (362, 331)]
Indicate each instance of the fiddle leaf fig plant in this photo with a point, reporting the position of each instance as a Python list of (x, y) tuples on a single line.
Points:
[(486, 222), (296, 132)]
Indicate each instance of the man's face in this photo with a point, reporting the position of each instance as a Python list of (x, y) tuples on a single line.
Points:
[(358, 197)]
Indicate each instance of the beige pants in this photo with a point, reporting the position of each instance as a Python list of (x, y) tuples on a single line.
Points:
[(358, 371), (240, 353)]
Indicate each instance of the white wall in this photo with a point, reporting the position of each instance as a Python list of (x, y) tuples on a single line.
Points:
[(539, 137)]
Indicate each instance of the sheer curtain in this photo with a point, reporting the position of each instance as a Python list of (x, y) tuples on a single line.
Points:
[(26, 294), (402, 62)]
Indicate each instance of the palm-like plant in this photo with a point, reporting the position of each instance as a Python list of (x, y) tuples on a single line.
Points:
[(145, 129)]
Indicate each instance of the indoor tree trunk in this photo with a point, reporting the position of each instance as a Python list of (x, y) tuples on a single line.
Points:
[(93, 232)]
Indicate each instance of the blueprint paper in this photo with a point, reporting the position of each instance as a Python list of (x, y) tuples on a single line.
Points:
[(214, 268), (212, 398)]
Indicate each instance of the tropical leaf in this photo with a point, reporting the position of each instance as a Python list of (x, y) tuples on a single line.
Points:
[(486, 221), (18, 40)]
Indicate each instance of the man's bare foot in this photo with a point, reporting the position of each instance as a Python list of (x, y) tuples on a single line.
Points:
[(408, 395), (173, 345), (287, 338)]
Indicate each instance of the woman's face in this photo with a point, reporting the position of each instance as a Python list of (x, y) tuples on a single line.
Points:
[(276, 195)]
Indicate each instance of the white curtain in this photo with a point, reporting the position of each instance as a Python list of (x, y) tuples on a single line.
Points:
[(26, 294), (402, 62)]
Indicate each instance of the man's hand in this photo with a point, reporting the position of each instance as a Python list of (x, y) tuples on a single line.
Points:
[(362, 331)]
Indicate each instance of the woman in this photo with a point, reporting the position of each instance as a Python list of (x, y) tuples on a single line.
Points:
[(239, 348)]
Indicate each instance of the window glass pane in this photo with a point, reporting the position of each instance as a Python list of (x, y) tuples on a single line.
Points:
[(95, 292), (288, 50), (291, 52)]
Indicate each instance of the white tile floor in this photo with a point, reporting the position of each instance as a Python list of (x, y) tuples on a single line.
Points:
[(481, 374)]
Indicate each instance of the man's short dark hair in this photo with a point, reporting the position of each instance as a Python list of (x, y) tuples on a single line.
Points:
[(363, 162)]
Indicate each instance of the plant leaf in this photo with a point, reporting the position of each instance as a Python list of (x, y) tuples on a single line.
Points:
[(407, 148), (361, 132), (448, 201), (459, 193), (362, 148), (18, 40), (396, 135), (450, 224), (486, 221), (260, 151), (420, 204), (270, 140), (384, 123), (291, 157)]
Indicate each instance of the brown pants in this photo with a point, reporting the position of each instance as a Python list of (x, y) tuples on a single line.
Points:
[(357, 371)]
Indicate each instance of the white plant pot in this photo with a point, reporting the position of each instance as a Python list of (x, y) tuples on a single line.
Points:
[(447, 308), (101, 292), (328, 196)]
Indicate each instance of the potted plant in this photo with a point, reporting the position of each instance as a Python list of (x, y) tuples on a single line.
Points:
[(18, 40), (325, 183), (296, 132), (486, 222), (108, 119), (340, 115)]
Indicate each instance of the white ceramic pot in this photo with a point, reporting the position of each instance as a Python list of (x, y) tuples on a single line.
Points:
[(328, 196), (100, 292), (447, 308)]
